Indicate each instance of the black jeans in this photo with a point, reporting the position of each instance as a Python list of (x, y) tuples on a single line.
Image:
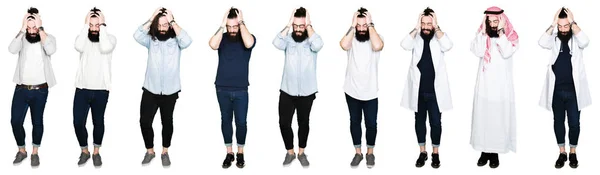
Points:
[(566, 101), (428, 105), (150, 104), (287, 106)]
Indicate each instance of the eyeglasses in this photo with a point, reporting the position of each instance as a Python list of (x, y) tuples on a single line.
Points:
[(301, 26)]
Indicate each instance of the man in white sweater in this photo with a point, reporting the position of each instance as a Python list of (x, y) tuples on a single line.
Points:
[(33, 76), (93, 82)]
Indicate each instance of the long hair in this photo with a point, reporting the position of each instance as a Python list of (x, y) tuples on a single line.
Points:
[(153, 32)]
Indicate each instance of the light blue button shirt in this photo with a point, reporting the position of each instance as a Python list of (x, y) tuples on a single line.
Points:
[(300, 67), (162, 70)]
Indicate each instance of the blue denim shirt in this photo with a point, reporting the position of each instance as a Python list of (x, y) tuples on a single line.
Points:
[(300, 67), (162, 70)]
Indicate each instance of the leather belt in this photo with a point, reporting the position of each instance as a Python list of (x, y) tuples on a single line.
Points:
[(33, 87)]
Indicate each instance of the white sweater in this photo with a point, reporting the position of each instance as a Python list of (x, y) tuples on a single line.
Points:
[(94, 70)]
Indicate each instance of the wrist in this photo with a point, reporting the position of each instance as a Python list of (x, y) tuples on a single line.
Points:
[(241, 22)]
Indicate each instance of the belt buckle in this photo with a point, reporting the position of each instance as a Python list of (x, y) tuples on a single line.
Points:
[(32, 87)]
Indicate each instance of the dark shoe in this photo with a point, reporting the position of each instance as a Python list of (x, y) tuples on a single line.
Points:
[(421, 160), (483, 159), (97, 160), (83, 158), (435, 160), (494, 161), (560, 162), (35, 160), (573, 163), (228, 159), (240, 163), (20, 157)]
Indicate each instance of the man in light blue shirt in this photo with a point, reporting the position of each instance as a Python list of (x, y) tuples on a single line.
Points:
[(299, 81), (164, 40)]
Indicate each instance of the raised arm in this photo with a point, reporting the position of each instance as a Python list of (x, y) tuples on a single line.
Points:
[(346, 42), (376, 41)]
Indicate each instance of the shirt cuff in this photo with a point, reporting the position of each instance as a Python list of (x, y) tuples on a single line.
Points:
[(182, 34)]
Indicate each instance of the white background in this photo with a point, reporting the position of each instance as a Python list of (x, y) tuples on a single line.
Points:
[(197, 141)]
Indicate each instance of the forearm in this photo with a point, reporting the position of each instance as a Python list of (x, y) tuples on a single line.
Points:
[(246, 35), (310, 30), (147, 25), (346, 41), (376, 42), (284, 31), (575, 28), (413, 33), (215, 40), (438, 32), (176, 28)]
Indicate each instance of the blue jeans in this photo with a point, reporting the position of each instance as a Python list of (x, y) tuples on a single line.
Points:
[(35, 101), (428, 105), (566, 101), (233, 103), (84, 100), (356, 108)]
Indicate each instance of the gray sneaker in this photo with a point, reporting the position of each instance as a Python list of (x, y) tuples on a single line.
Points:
[(20, 157), (35, 160), (356, 160), (288, 159), (83, 158), (166, 161), (303, 161), (148, 157), (370, 160), (97, 160)]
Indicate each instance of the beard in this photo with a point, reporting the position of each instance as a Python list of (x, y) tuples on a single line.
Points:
[(492, 32), (362, 36), (427, 37), (299, 38), (565, 36), (94, 36), (234, 36), (164, 35), (32, 37)]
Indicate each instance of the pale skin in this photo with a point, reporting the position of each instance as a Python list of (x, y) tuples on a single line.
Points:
[(163, 22), (232, 25), (495, 21), (427, 22), (299, 24), (362, 24), (563, 26), (32, 26), (94, 23), (163, 25)]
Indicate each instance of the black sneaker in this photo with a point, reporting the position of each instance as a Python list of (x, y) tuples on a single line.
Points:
[(421, 160), (435, 160), (573, 163), (494, 161), (483, 159), (240, 163), (228, 159), (560, 162)]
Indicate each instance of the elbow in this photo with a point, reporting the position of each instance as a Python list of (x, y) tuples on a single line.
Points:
[(213, 46), (378, 48)]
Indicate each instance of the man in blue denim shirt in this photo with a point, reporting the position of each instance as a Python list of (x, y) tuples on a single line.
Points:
[(164, 40), (234, 48), (299, 81)]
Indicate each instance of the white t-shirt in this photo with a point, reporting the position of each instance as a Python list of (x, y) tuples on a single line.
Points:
[(33, 64), (361, 72)]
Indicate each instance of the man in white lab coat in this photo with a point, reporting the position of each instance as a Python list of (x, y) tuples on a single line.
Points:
[(427, 89), (493, 128), (566, 87)]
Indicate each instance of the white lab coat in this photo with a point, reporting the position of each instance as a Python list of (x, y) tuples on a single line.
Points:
[(493, 127), (576, 45), (438, 47)]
